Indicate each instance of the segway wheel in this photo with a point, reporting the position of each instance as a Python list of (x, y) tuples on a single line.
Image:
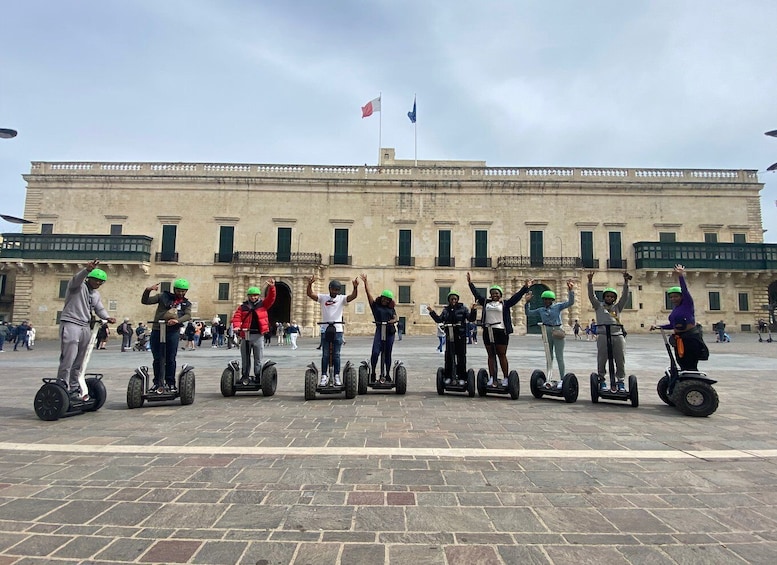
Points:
[(269, 380), (513, 385), (440, 381), (661, 389), (537, 383), (695, 398), (351, 383), (97, 392), (471, 382), (400, 378), (482, 380), (633, 391), (51, 402), (228, 382), (186, 386), (595, 387), (364, 374), (135, 392), (570, 388), (311, 382)]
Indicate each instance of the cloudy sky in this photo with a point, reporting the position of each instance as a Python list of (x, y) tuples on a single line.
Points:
[(605, 83)]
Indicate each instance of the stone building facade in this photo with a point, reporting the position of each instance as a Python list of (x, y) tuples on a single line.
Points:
[(414, 229)]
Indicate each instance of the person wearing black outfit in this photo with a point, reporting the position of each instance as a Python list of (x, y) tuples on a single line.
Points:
[(455, 313)]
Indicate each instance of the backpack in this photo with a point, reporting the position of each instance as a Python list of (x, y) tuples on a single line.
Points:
[(120, 330)]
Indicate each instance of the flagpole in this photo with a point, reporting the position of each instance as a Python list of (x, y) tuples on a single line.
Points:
[(380, 127), (415, 134)]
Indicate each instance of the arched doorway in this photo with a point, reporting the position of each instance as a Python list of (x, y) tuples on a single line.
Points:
[(533, 320), (281, 309)]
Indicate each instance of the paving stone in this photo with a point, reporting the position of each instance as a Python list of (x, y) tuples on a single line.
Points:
[(428, 555), (362, 554), (81, 547), (318, 518), (472, 555), (38, 545), (379, 519), (170, 551), (317, 554)]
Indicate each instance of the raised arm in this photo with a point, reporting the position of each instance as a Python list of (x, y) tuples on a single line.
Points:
[(370, 299), (354, 292), (312, 295)]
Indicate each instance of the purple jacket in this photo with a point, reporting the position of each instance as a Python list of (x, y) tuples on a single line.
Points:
[(683, 315)]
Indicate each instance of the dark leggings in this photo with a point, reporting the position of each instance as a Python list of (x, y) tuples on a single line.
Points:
[(693, 345), (460, 347), (385, 370)]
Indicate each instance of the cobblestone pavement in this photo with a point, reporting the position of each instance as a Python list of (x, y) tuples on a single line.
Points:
[(384, 478)]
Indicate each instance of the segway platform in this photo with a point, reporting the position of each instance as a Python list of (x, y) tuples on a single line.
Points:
[(612, 393), (397, 380), (233, 381), (140, 383), (513, 388), (312, 382), (543, 384), (691, 392), (53, 400), (445, 384)]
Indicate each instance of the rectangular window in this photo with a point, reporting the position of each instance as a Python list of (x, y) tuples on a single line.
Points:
[(714, 300), (616, 257), (667, 237), (744, 302), (169, 233), (341, 247), (283, 250), (164, 287), (403, 296), (443, 296), (587, 249), (481, 249), (226, 243), (116, 229), (223, 291), (46, 229), (444, 248), (63, 289), (536, 249), (405, 256), (740, 238), (710, 237)]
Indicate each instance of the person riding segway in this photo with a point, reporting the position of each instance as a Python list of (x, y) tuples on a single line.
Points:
[(173, 309), (332, 307), (542, 383), (250, 322), (455, 377), (611, 345), (385, 319), (497, 327)]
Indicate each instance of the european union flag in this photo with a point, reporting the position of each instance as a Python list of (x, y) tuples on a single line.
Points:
[(411, 115)]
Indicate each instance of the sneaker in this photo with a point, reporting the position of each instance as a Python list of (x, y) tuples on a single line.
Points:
[(153, 388), (504, 383), (490, 381), (172, 389), (604, 386), (338, 382), (447, 381), (560, 385), (442, 353), (323, 381), (621, 386), (462, 382)]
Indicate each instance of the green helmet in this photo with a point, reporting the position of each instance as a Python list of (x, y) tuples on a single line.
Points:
[(496, 287), (548, 294), (608, 289), (673, 289), (453, 293), (182, 284), (388, 294), (97, 274), (253, 290)]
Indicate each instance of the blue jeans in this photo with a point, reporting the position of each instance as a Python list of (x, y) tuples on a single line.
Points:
[(337, 344), (173, 336)]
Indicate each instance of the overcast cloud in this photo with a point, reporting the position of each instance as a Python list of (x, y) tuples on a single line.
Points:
[(675, 84)]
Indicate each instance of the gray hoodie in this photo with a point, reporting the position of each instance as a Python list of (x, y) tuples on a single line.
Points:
[(81, 299)]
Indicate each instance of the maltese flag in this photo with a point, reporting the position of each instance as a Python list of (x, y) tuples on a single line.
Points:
[(370, 107)]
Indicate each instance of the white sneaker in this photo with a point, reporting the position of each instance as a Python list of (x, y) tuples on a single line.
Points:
[(462, 382), (504, 382), (560, 385), (338, 382), (490, 381), (447, 381), (323, 381)]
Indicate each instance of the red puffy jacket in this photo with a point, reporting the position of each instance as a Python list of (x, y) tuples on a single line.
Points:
[(241, 319)]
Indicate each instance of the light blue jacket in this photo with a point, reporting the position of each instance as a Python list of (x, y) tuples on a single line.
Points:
[(551, 316)]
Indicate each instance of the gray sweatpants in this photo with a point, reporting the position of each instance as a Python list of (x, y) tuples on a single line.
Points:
[(618, 355), (556, 348), (252, 344), (74, 343)]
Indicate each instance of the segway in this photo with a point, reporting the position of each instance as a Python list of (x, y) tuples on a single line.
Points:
[(449, 382), (383, 382), (691, 392), (513, 387), (542, 384), (612, 393), (762, 329), (139, 389), (53, 400), (234, 380), (349, 384)]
